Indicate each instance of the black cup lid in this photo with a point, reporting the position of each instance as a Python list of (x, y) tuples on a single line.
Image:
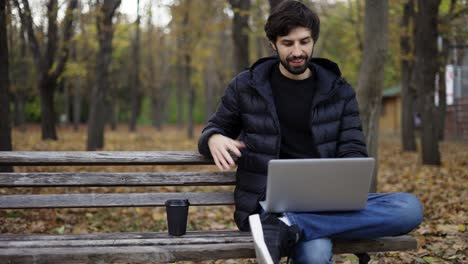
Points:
[(177, 202)]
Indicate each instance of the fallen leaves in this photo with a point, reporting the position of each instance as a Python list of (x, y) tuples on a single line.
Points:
[(442, 236)]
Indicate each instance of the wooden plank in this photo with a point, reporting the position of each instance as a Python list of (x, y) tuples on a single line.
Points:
[(39, 179), (123, 235), (138, 254), (150, 251), (127, 242), (192, 237), (357, 246), (111, 200), (47, 158), (383, 244)]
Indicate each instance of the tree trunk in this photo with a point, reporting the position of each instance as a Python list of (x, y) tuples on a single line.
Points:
[(187, 59), (97, 113), (180, 84), (442, 107), (5, 126), (156, 77), (240, 28), (19, 97), (425, 69), (76, 103), (113, 112), (156, 112), (356, 22), (48, 68), (48, 119), (135, 89), (407, 91), (191, 96), (371, 74)]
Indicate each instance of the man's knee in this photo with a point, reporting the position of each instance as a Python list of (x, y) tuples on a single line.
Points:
[(409, 211), (317, 251)]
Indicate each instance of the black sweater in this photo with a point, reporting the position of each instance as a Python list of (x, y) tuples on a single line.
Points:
[(293, 102)]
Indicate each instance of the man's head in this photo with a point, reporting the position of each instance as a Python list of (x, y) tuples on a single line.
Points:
[(293, 29)]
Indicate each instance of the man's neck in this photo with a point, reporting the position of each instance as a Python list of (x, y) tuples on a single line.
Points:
[(296, 77)]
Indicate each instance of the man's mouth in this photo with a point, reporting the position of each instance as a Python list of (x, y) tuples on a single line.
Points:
[(295, 62)]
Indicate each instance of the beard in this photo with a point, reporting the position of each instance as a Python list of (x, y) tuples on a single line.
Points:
[(296, 70)]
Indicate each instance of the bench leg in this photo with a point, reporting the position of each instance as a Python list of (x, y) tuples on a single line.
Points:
[(363, 258)]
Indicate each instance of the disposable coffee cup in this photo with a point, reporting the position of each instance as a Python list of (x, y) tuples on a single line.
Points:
[(176, 212)]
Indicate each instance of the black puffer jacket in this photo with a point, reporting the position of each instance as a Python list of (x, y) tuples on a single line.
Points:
[(247, 112)]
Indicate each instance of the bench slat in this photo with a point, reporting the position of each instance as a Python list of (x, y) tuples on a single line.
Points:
[(111, 200), (122, 235), (160, 247), (362, 246), (47, 158), (127, 254), (39, 179)]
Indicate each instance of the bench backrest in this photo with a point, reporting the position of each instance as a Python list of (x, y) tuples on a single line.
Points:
[(102, 179)]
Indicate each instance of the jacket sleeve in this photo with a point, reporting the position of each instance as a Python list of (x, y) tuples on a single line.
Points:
[(226, 120), (351, 141)]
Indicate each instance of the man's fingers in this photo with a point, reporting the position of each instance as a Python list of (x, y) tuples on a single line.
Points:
[(234, 149), (222, 160), (228, 158), (221, 149), (215, 158), (239, 144)]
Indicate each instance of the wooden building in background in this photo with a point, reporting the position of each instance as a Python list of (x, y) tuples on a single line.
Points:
[(456, 119), (390, 112)]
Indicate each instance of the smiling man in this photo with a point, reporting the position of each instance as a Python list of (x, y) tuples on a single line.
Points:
[(293, 106)]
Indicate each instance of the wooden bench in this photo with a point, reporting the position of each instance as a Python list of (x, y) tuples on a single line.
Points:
[(131, 247)]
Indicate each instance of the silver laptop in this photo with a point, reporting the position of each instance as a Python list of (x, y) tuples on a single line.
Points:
[(318, 185)]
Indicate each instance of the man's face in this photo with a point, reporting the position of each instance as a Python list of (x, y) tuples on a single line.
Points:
[(294, 51)]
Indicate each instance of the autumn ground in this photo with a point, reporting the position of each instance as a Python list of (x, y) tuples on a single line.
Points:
[(443, 190)]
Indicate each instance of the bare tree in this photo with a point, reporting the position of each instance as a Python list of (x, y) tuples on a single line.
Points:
[(20, 73), (424, 72), (371, 74), (447, 24), (408, 93), (5, 126), (135, 97), (50, 64), (240, 28), (187, 70), (356, 21), (97, 117)]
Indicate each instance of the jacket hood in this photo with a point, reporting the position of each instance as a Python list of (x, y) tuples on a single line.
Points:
[(323, 63), (326, 71)]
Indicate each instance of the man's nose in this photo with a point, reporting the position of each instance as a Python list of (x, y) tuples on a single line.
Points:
[(296, 51)]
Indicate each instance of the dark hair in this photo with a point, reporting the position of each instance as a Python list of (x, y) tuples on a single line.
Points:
[(289, 15)]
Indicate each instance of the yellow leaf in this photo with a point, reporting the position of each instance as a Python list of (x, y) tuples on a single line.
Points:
[(429, 259), (461, 228)]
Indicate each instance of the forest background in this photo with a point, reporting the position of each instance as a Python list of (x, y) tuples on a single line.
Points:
[(95, 76)]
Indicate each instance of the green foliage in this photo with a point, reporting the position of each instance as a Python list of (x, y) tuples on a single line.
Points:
[(32, 109), (207, 39), (145, 115)]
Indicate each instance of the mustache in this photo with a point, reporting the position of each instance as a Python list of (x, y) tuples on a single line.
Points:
[(302, 57)]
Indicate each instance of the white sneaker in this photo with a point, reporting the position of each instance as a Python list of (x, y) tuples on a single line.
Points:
[(261, 250)]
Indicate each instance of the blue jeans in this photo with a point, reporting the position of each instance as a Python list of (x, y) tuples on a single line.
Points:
[(390, 214)]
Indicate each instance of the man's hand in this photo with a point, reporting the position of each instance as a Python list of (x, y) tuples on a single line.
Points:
[(220, 146)]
